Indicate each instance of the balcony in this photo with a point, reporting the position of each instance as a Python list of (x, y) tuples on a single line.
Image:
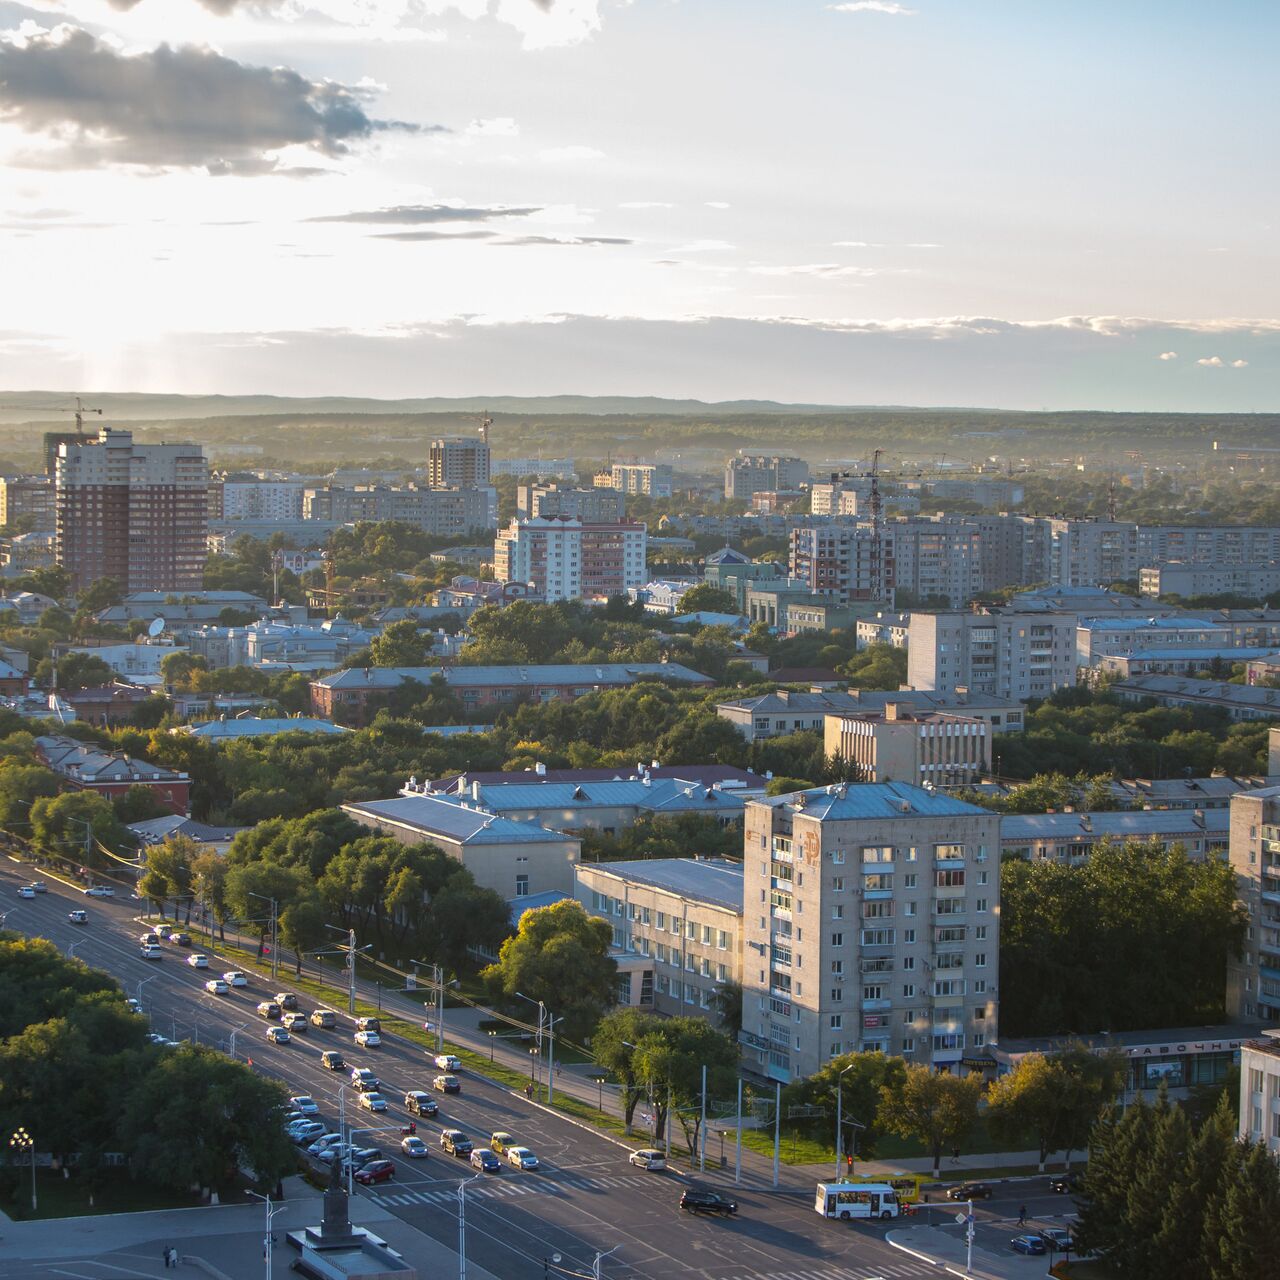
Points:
[(870, 1006)]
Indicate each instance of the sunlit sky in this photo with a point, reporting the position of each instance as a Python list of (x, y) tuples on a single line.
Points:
[(1019, 203)]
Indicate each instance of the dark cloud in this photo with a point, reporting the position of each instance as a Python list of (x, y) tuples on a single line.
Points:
[(410, 215), (533, 240), (172, 107), (433, 235)]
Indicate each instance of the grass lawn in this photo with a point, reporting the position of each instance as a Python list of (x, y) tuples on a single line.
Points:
[(1083, 1271), (60, 1197)]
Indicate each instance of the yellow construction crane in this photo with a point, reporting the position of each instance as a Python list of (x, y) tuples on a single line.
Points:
[(79, 410)]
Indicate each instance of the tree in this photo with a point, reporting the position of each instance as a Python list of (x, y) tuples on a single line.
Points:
[(20, 785), (75, 671), (859, 1077), (100, 595), (671, 1058), (178, 667), (726, 1004), (251, 888), (559, 955), (209, 884), (614, 1045), (400, 645), (71, 825), (138, 804), (302, 926), (933, 1107), (169, 873), (706, 598), (1251, 1207)]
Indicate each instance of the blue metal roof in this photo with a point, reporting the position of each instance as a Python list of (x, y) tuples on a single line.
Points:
[(714, 880), (666, 795), (874, 800), (452, 819), (255, 727), (1137, 824), (582, 673), (1153, 624)]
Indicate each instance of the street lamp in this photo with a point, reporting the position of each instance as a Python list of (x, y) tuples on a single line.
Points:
[(272, 1210), (23, 1142), (595, 1266), (275, 930), (71, 950), (142, 983), (462, 1224), (231, 1051), (839, 1117), (547, 1263), (542, 1013), (493, 1035)]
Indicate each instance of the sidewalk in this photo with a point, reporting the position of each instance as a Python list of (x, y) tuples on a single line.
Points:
[(948, 1252)]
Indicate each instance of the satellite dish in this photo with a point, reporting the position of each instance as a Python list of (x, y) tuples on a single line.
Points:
[(156, 628)]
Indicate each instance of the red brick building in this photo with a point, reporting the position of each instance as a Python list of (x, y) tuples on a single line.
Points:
[(84, 767)]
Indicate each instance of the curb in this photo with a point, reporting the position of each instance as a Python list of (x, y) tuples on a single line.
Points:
[(940, 1263)]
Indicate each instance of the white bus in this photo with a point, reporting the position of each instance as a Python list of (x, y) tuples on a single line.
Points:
[(846, 1200)]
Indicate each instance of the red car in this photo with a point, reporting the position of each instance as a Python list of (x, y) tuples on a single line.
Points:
[(375, 1171)]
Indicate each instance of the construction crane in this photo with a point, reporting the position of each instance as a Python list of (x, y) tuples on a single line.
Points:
[(79, 410), (485, 423)]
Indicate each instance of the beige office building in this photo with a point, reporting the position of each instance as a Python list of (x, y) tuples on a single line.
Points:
[(903, 744), (1260, 1091)]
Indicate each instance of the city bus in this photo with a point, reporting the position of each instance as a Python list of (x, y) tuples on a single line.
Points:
[(847, 1200)]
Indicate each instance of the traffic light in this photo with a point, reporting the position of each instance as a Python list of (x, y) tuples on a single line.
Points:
[(848, 1161)]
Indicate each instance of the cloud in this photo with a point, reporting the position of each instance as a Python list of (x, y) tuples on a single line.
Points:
[(882, 244), (1239, 364), (573, 240), (1168, 355), (716, 204), (555, 155), (496, 127), (183, 107), (1211, 362), (828, 269), (433, 235), (646, 204), (703, 246), (418, 214), (872, 6)]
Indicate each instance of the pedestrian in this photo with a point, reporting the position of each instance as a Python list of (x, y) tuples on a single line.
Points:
[(165, 1256), (1022, 1215)]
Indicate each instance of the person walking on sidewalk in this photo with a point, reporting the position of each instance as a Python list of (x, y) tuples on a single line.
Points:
[(1022, 1215)]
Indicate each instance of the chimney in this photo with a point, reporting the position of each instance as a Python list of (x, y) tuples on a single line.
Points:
[(540, 769), (894, 711), (475, 791)]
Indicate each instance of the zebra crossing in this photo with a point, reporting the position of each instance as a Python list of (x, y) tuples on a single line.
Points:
[(905, 1270), (509, 1188)]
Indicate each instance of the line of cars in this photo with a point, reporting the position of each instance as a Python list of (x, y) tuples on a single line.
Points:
[(1031, 1244)]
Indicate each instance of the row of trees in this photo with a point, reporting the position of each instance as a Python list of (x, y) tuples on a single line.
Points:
[(65, 1029)]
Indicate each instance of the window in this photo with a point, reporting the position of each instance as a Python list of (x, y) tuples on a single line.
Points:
[(908, 1017), (837, 994), (877, 853), (908, 1046), (837, 939), (660, 922), (675, 923), (522, 886), (909, 880), (707, 935), (705, 967), (950, 906), (691, 931), (836, 1048), (690, 993), (877, 910), (837, 884), (980, 904), (837, 968), (948, 987), (873, 992), (908, 908), (878, 937), (908, 990), (722, 973), (948, 852), (661, 953), (722, 943), (982, 877), (837, 1021), (908, 937), (909, 963), (980, 933), (980, 960), (979, 1039), (837, 912), (943, 879), (877, 882), (837, 856)]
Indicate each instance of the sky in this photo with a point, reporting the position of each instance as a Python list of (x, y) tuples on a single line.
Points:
[(1006, 203)]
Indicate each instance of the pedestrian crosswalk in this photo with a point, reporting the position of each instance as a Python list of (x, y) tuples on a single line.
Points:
[(508, 1188), (905, 1270)]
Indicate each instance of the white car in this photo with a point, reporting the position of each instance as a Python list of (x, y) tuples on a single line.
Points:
[(277, 1035), (413, 1147), (647, 1158), (151, 951), (368, 1039), (216, 987), (447, 1062), (234, 978), (305, 1103), (198, 960), (26, 891), (99, 891), (373, 1102), (522, 1158)]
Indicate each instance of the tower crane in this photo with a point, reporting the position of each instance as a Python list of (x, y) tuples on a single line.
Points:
[(79, 410)]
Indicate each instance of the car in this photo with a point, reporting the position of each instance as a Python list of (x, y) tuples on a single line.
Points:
[(1065, 1183), (413, 1147), (234, 978), (447, 1062), (78, 917), (26, 891), (367, 1039), (305, 1103), (295, 1022), (134, 1006), (162, 1042), (447, 1084), (698, 1201), (455, 1142), (373, 1102), (501, 1142), (417, 1103), (335, 1151), (99, 891), (368, 1024), (1033, 1246), (180, 939), (164, 930), (364, 1081), (149, 940), (269, 1009), (375, 1171), (198, 960), (647, 1158), (39, 886), (484, 1160), (151, 951), (305, 1132), (216, 987), (360, 1157), (324, 1018), (332, 1060), (277, 1035), (1057, 1239), (970, 1191), (287, 1000), (323, 1143), (521, 1158)]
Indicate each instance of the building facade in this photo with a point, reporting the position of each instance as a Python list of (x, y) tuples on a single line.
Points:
[(261, 500), (458, 462), (843, 562), (568, 559), (902, 744), (653, 479), (1177, 579), (591, 506), (870, 923), (444, 513), (1260, 1091), (1253, 977), (30, 498), (750, 474)]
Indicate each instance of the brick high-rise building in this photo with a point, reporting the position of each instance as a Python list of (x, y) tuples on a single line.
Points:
[(133, 512), (459, 462)]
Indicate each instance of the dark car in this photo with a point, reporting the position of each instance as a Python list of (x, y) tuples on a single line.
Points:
[(970, 1191), (695, 1201), (375, 1171), (269, 1009), (287, 1000), (1065, 1183), (180, 939), (484, 1160), (1033, 1246), (447, 1084), (417, 1103), (362, 1157), (455, 1142)]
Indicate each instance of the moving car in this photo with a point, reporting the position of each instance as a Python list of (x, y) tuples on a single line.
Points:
[(455, 1142), (216, 986), (277, 1035), (368, 1024), (970, 1191), (26, 891), (198, 960), (1064, 1183), (78, 917), (164, 930), (696, 1201), (269, 1009), (413, 1147), (295, 1022), (417, 1103), (447, 1062), (326, 1019), (367, 1039), (99, 891), (151, 951), (180, 939), (134, 1006), (234, 978), (484, 1160), (521, 1158), (373, 1102), (305, 1103), (648, 1159), (287, 1000), (447, 1084), (375, 1171), (39, 886), (364, 1081), (1057, 1239), (501, 1142), (149, 940), (1033, 1246), (332, 1060)]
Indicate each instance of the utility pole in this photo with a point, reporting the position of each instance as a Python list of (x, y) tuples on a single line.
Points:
[(462, 1225), (737, 1164), (702, 1125), (351, 971), (777, 1132)]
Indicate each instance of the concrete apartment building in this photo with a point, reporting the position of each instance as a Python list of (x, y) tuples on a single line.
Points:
[(28, 497), (883, 628), (746, 475), (653, 479), (568, 559), (1240, 702), (1069, 837), (1260, 1091), (591, 506), (1253, 978), (262, 499), (959, 557), (1098, 638), (133, 512), (843, 562), (870, 922), (1178, 579), (825, 496), (458, 462), (904, 744), (677, 928), (445, 513), (1010, 655), (542, 468)]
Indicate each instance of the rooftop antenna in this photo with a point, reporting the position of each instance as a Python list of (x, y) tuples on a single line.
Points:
[(156, 628), (876, 507), (1111, 498), (485, 423)]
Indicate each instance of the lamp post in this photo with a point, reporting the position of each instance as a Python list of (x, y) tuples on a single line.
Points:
[(275, 931), (71, 950), (142, 983), (493, 1036), (542, 1013), (22, 1141), (462, 1225), (231, 1051), (600, 1257), (547, 1264), (272, 1210), (840, 1118)]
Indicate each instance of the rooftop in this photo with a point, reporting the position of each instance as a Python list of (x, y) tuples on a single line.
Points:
[(83, 762), (154, 830), (664, 795), (256, 727), (874, 800), (1220, 691), (452, 819), (714, 880), (1122, 823), (587, 673), (1176, 623), (723, 775)]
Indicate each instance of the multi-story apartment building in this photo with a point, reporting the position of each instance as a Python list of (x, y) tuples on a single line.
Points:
[(569, 559), (981, 490), (825, 496), (870, 922), (132, 512), (1089, 553), (1253, 977), (446, 513), (677, 928), (1260, 1091), (262, 500), (458, 462), (592, 506), (543, 468), (1178, 579), (30, 498), (1098, 638), (905, 744), (843, 562), (937, 559), (1014, 656), (746, 475), (653, 479)]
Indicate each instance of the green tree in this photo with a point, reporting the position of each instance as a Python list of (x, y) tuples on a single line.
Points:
[(614, 1045), (706, 598), (209, 885), (933, 1107), (1246, 1249), (400, 645), (169, 874), (100, 595), (559, 955), (21, 785), (71, 826), (178, 668), (75, 671), (860, 1079), (671, 1058), (302, 925), (726, 1004)]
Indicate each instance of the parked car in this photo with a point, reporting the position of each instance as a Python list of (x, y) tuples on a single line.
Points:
[(697, 1201), (364, 1081), (375, 1171), (217, 987), (1065, 1183), (198, 960), (484, 1160), (269, 1009), (296, 1022), (234, 978), (323, 1143), (324, 1018), (455, 1142), (151, 951), (447, 1062), (447, 1084), (373, 1102), (335, 1151), (305, 1103), (367, 1039), (277, 1035), (361, 1156), (78, 917), (1057, 1239), (287, 1000), (99, 891), (413, 1147), (305, 1132), (1033, 1246), (521, 1158), (647, 1158), (418, 1103), (332, 1060), (970, 1191)]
